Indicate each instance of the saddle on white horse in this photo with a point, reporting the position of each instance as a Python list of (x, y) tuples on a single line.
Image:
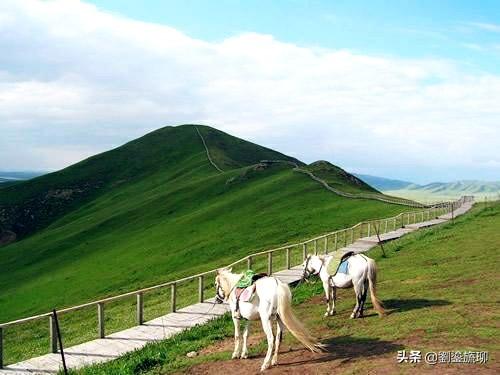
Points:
[(338, 263), (245, 288)]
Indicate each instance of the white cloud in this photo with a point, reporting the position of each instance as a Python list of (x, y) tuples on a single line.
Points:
[(486, 26), (76, 77)]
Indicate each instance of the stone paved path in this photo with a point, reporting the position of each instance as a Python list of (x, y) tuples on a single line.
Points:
[(119, 343)]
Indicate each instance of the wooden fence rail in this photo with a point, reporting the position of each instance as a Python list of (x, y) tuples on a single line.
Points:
[(331, 242)]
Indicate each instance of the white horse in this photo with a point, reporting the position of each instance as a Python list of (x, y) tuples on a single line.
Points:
[(362, 275), (272, 301)]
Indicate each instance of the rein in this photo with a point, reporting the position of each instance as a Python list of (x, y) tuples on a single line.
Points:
[(304, 276)]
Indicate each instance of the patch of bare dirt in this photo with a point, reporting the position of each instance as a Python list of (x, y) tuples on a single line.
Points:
[(228, 344), (371, 357)]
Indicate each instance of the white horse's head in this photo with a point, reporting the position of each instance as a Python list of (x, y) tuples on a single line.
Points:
[(312, 265), (222, 284)]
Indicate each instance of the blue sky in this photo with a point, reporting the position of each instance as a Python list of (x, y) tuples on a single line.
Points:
[(401, 89)]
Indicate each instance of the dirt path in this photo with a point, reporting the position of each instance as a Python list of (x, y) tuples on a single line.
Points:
[(364, 357), (348, 354)]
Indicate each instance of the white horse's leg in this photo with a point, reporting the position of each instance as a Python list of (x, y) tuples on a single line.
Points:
[(326, 287), (268, 330), (333, 297), (244, 352), (277, 341), (358, 292), (363, 298), (236, 352)]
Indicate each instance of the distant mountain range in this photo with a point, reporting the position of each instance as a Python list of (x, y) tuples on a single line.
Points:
[(15, 176), (382, 183), (434, 190)]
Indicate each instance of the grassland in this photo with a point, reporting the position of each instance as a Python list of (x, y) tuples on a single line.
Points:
[(438, 286), (148, 212), (436, 196)]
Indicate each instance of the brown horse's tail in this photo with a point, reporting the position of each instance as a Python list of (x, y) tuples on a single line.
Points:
[(291, 322), (372, 282)]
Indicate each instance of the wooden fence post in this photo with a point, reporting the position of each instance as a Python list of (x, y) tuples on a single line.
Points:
[(326, 244), (315, 247), (352, 235), (100, 320), (53, 334), (335, 245), (249, 262), (59, 340), (304, 251), (385, 227), (139, 308), (270, 263), (369, 227), (345, 237), (173, 297), (201, 286), (287, 258)]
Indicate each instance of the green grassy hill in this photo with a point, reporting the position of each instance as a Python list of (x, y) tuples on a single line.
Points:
[(154, 210), (338, 178), (436, 285)]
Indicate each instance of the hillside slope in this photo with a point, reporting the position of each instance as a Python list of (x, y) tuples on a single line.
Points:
[(339, 179), (36, 203), (155, 209)]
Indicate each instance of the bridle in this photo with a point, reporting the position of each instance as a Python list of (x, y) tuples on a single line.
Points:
[(307, 273), (220, 295)]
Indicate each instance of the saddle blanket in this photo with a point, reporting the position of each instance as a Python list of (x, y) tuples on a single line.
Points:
[(246, 280), (245, 294), (338, 264), (245, 287), (343, 267)]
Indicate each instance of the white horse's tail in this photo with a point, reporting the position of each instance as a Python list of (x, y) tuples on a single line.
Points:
[(291, 322), (372, 282)]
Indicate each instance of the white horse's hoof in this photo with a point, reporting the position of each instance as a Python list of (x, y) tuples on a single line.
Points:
[(235, 356), (244, 356), (264, 367), (326, 314), (274, 362), (352, 316)]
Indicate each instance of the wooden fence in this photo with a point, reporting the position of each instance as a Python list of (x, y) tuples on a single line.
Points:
[(294, 254)]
